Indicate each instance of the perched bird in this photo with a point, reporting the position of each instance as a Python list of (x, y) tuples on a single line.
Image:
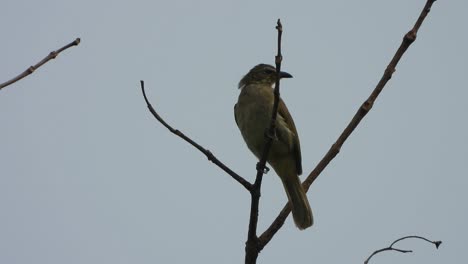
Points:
[(253, 116)]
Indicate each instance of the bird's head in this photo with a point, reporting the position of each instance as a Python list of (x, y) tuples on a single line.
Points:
[(262, 74)]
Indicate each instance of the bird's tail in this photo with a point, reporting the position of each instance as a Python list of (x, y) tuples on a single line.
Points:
[(298, 201)]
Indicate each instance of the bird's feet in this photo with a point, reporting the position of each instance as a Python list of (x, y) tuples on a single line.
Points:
[(265, 169)]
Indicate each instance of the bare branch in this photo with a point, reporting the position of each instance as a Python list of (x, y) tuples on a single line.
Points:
[(252, 248), (409, 38), (207, 153), (391, 248), (436, 243), (49, 57)]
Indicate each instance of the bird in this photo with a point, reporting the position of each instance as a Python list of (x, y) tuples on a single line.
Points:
[(252, 114)]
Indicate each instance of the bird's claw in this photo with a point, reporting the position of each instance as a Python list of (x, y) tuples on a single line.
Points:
[(265, 169)]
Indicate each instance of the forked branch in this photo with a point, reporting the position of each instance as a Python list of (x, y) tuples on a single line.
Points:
[(391, 248), (255, 244)]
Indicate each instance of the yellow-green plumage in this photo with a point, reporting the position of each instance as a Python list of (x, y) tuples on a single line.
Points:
[(253, 114)]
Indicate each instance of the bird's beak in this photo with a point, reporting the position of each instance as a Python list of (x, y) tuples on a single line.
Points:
[(285, 75)]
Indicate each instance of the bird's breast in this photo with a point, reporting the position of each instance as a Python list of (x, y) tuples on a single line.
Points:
[(253, 114)]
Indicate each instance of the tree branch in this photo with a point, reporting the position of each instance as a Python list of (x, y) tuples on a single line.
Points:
[(391, 248), (252, 248), (255, 244), (49, 57), (207, 153), (409, 38)]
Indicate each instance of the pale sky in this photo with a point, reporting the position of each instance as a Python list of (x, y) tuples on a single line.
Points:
[(88, 176)]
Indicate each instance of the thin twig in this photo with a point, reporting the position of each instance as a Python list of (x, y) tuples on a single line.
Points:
[(49, 57), (409, 38), (391, 248), (252, 245), (207, 153)]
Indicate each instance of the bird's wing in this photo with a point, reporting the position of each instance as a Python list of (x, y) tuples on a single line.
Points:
[(284, 113)]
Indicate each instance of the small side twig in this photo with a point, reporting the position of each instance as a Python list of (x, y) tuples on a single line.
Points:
[(408, 39), (207, 153), (252, 248), (391, 248), (49, 57)]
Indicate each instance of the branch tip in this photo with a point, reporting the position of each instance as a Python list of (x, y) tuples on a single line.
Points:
[(279, 26), (391, 248)]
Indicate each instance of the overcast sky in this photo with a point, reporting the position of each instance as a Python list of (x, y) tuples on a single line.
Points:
[(88, 176)]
